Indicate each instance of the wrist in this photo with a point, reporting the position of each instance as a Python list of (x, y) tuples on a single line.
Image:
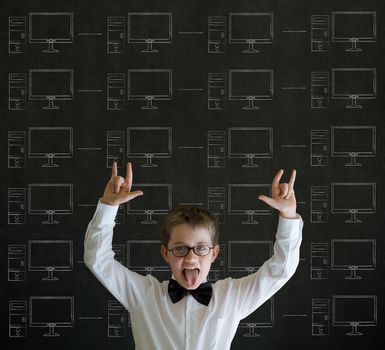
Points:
[(107, 202), (288, 215)]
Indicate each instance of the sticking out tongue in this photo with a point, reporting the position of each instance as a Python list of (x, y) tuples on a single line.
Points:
[(191, 276)]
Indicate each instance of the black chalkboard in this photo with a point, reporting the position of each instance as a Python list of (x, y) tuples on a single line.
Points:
[(208, 99)]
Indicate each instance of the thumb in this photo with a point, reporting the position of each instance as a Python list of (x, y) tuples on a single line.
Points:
[(266, 199), (134, 194)]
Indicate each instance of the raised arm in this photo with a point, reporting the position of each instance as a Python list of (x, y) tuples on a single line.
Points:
[(256, 288), (127, 286)]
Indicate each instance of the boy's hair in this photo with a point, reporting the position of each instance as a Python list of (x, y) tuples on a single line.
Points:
[(196, 217)]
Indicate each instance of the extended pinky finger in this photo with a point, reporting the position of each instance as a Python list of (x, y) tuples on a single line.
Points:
[(292, 179)]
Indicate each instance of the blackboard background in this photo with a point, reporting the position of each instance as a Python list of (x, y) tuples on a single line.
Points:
[(289, 114)]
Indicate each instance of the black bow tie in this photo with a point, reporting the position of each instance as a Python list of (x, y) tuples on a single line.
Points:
[(202, 293)]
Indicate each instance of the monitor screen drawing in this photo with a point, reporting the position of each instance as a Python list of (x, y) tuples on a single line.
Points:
[(354, 27), (250, 143), (248, 256), (250, 29), (144, 255), (251, 85), (149, 143), (50, 200), (149, 28), (353, 142), (354, 311), (149, 85), (353, 84), (52, 312), (156, 201), (50, 143), (51, 85), (353, 198), (51, 28), (353, 255), (242, 200), (50, 256)]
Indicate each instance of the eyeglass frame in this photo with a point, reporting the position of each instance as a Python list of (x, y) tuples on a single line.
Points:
[(190, 248)]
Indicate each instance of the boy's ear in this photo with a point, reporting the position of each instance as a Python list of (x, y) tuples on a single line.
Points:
[(164, 253), (215, 252)]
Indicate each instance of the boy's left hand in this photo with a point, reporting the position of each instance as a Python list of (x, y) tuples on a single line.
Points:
[(282, 196)]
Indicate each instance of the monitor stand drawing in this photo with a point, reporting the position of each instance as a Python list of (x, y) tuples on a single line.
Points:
[(51, 331), (149, 105), (50, 220), (149, 163), (353, 104), (354, 331), (250, 219), (354, 47), (50, 47), (149, 48), (250, 106), (353, 217), (252, 332), (251, 48), (51, 103), (353, 273), (149, 219), (50, 162), (353, 160), (50, 276), (250, 163)]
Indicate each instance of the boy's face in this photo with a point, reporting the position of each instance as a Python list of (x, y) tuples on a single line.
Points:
[(189, 271)]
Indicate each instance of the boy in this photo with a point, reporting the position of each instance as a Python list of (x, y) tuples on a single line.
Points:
[(188, 312)]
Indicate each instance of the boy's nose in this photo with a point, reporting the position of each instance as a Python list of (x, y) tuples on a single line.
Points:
[(190, 256)]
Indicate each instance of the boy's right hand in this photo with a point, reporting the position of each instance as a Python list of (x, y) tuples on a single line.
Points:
[(118, 189)]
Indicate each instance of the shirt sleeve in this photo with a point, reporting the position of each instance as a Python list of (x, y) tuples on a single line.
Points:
[(253, 290), (126, 286)]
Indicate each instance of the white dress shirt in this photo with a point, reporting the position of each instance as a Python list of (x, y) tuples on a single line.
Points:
[(157, 323)]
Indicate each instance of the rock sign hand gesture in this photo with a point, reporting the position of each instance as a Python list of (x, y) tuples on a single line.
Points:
[(282, 196), (118, 189)]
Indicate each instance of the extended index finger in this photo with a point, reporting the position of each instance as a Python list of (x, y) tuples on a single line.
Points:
[(275, 183)]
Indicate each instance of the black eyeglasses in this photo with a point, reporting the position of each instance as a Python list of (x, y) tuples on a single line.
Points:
[(182, 250)]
